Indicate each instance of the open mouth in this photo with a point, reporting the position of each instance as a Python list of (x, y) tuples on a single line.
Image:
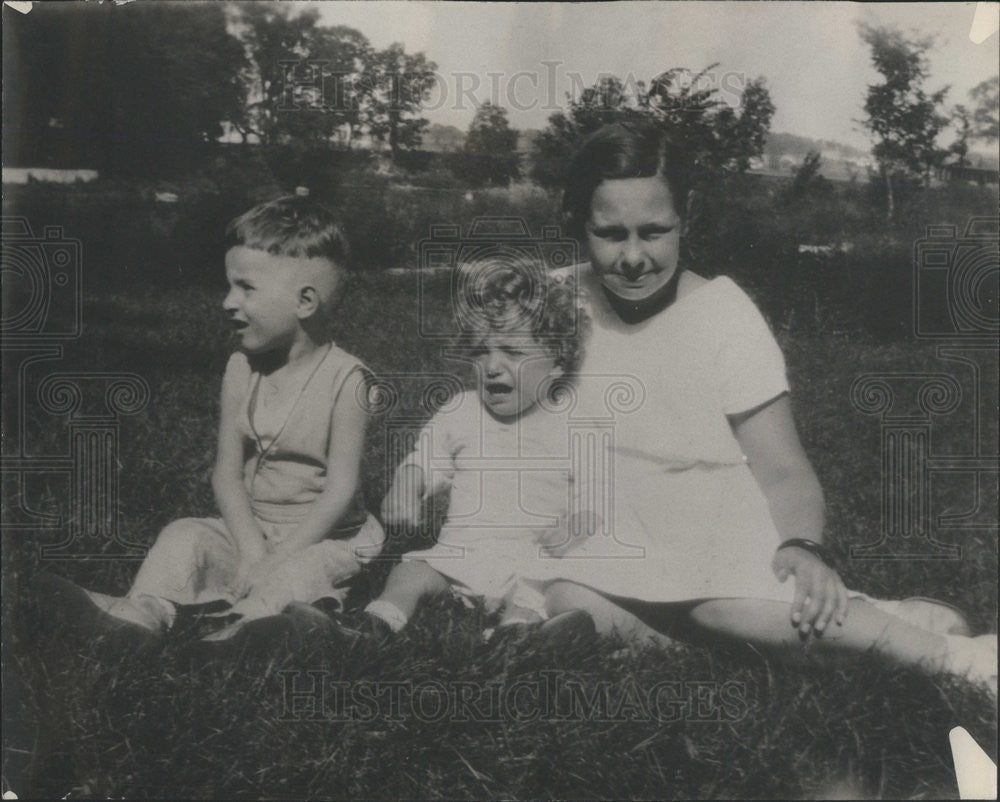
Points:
[(238, 325), (498, 388)]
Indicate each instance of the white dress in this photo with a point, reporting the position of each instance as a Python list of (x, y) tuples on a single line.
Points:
[(687, 518), (510, 483)]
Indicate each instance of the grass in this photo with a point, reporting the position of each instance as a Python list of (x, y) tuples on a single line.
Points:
[(729, 724)]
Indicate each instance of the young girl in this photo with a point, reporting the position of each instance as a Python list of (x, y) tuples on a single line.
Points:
[(293, 526), (710, 479), (503, 450)]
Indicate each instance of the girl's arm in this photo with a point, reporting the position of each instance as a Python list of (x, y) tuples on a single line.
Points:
[(768, 438), (343, 469), (227, 477)]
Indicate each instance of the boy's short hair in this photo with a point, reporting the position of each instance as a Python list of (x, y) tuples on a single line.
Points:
[(295, 226), (298, 227), (512, 293)]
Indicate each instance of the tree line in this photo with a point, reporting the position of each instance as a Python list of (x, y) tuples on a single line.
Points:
[(906, 120), (118, 87), (127, 88)]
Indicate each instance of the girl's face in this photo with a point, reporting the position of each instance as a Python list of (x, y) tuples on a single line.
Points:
[(262, 303), (633, 235), (512, 372)]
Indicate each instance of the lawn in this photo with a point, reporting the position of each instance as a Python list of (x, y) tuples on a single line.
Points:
[(438, 714)]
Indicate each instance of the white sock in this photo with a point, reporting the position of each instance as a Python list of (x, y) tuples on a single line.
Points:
[(388, 612), (159, 609)]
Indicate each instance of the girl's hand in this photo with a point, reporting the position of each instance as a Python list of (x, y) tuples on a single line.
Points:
[(819, 593)]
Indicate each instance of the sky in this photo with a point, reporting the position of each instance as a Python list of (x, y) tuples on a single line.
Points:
[(528, 55)]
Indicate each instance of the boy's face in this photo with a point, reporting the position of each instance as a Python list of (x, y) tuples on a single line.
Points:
[(512, 371), (263, 303)]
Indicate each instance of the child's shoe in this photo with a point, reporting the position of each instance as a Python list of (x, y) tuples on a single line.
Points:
[(361, 627), (196, 621), (565, 635), (298, 629), (67, 609), (974, 659), (89, 608), (572, 628)]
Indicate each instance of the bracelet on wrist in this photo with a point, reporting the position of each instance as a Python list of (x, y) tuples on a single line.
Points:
[(812, 547)]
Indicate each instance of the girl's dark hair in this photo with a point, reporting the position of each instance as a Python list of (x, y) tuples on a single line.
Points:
[(638, 148)]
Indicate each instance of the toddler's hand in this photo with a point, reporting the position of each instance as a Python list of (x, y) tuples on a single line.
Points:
[(568, 533), (820, 594), (402, 508)]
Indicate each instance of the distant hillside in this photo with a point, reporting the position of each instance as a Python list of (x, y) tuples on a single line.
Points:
[(793, 145), (783, 153), (443, 138)]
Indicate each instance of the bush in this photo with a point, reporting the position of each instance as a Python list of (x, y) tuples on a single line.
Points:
[(751, 227), (747, 226)]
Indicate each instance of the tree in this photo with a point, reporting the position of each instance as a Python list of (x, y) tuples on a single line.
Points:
[(491, 148), (741, 137), (604, 102), (902, 117), (986, 96), (716, 138), (391, 91), (963, 126), (808, 178), (123, 88)]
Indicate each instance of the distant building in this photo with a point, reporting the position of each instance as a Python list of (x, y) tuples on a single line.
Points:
[(966, 174), (22, 175)]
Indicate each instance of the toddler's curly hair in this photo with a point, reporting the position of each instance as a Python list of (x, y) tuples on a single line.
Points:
[(515, 294)]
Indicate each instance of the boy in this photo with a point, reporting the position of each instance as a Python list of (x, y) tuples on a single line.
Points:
[(293, 415)]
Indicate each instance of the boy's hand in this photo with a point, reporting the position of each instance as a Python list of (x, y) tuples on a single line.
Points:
[(820, 594), (240, 586), (568, 533), (250, 575)]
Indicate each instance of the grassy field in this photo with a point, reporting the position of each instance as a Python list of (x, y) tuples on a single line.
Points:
[(437, 714)]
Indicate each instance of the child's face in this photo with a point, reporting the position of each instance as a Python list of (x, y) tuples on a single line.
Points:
[(511, 372), (263, 299), (633, 236)]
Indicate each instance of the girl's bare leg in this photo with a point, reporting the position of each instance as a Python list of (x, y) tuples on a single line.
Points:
[(560, 597), (768, 624)]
